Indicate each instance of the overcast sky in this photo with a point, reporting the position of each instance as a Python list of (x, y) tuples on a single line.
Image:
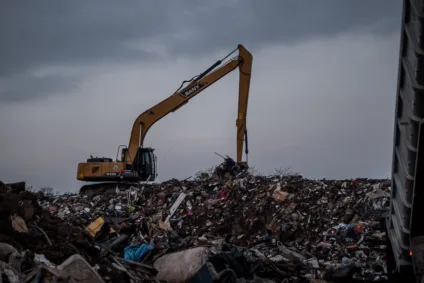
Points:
[(75, 74)]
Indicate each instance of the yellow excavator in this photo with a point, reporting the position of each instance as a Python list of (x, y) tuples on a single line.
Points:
[(138, 163)]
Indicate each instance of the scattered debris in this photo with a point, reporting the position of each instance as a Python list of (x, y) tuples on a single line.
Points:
[(218, 227)]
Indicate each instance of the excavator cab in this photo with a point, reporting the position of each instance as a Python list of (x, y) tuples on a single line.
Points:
[(145, 163)]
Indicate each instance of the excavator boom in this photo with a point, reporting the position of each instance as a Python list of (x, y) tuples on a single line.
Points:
[(146, 120)]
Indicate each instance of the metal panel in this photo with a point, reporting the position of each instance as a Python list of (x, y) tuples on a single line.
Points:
[(403, 220)]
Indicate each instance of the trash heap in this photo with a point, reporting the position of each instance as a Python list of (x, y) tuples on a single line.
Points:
[(221, 227)]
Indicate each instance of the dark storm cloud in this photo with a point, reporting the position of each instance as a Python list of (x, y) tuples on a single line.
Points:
[(36, 34), (256, 23)]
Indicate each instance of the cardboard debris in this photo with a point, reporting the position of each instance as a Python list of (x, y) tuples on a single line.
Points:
[(164, 226), (19, 224), (280, 195)]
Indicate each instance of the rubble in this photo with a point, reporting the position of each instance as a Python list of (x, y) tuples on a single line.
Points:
[(237, 226)]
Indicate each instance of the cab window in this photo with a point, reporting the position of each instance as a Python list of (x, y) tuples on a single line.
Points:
[(146, 158)]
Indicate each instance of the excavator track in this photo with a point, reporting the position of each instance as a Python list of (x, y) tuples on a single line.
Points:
[(105, 187)]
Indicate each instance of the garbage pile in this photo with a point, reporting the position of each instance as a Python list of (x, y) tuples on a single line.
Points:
[(238, 228)]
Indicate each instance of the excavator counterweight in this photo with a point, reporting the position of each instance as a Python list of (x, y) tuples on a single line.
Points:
[(138, 163)]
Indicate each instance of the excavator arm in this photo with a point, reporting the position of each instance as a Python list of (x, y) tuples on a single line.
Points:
[(198, 84)]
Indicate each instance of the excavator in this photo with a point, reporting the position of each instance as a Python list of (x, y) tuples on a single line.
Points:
[(139, 163)]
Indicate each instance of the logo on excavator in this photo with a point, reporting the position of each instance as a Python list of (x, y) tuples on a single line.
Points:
[(194, 88)]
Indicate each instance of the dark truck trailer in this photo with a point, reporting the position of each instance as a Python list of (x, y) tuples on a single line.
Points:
[(405, 220)]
